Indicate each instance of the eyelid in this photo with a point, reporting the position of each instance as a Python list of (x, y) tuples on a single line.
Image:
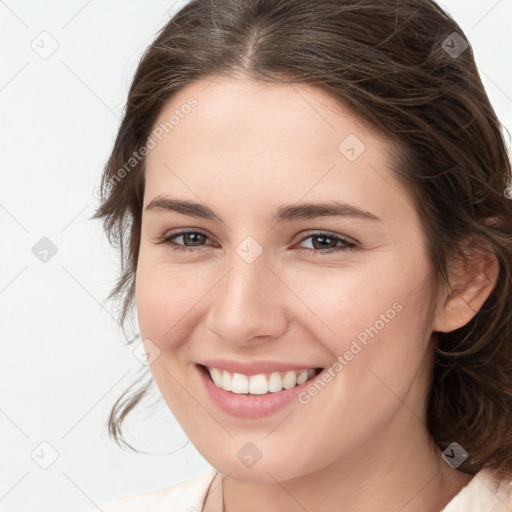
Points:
[(165, 238), (331, 234), (309, 233), (349, 243), (183, 231)]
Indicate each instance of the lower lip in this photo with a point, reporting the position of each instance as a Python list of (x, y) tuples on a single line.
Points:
[(250, 406)]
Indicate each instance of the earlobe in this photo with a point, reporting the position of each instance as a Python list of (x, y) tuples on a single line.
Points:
[(471, 283)]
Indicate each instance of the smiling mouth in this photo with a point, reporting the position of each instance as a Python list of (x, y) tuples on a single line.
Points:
[(259, 384)]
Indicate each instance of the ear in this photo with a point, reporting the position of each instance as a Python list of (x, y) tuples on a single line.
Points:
[(472, 280)]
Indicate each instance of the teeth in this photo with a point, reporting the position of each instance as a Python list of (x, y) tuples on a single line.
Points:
[(240, 383), (226, 380), (216, 376), (259, 384), (275, 383), (303, 376)]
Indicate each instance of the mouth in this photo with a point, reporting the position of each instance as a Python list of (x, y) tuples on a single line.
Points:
[(258, 384)]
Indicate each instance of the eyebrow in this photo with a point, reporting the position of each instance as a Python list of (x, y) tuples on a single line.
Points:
[(283, 213)]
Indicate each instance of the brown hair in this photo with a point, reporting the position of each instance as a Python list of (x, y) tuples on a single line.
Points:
[(401, 68)]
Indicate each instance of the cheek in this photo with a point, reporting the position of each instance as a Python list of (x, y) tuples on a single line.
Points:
[(378, 351), (151, 295), (165, 299), (343, 304), (375, 321), (172, 301), (338, 305)]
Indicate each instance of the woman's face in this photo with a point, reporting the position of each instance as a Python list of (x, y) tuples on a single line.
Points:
[(263, 280)]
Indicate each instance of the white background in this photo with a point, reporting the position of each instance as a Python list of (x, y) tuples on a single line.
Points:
[(62, 361)]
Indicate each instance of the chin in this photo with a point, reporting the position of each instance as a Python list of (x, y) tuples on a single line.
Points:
[(262, 472)]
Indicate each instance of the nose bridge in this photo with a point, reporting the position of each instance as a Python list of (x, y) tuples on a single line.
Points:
[(247, 302)]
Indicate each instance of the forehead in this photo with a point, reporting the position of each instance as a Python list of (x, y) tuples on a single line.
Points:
[(240, 107), (236, 134)]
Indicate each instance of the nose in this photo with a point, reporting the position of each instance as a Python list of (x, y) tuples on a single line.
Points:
[(248, 305)]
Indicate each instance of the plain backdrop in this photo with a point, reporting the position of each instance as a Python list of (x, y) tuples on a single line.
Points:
[(65, 69)]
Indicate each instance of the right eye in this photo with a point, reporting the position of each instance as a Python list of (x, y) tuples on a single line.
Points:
[(192, 236)]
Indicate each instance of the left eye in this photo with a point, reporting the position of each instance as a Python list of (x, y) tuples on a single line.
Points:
[(346, 243), (326, 242)]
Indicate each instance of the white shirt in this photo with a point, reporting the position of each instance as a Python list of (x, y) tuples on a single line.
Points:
[(483, 493)]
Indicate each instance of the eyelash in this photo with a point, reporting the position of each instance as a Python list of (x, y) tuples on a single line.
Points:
[(348, 244)]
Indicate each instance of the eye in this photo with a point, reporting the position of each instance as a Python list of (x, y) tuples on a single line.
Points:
[(326, 242), (195, 237), (329, 239)]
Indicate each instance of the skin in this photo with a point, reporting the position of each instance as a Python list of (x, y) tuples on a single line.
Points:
[(246, 149)]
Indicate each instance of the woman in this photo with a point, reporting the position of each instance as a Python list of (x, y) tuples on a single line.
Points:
[(311, 198)]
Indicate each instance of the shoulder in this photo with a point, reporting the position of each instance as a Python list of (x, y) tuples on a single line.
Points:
[(485, 491), (186, 495)]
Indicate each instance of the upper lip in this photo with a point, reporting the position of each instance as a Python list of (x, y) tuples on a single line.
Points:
[(253, 367)]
